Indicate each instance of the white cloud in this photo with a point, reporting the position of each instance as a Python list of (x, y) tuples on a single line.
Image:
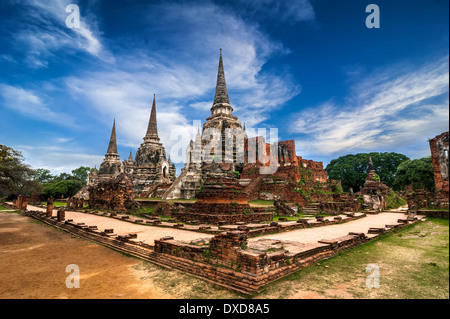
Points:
[(56, 158), (45, 33), (28, 103), (389, 110)]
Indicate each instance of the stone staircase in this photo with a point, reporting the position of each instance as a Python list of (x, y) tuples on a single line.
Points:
[(185, 186), (311, 209)]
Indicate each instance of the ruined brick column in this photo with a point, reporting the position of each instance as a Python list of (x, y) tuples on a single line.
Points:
[(49, 207), (24, 203), (69, 202), (439, 147), (61, 215), (19, 202)]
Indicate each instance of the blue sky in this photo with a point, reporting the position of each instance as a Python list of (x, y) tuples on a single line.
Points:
[(310, 68)]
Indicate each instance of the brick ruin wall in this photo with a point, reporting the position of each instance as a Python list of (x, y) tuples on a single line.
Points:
[(228, 259), (115, 194), (214, 213), (296, 180)]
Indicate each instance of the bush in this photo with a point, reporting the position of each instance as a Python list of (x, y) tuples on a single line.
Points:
[(394, 200)]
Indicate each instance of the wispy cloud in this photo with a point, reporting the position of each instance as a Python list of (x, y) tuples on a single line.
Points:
[(44, 33), (29, 103), (385, 111)]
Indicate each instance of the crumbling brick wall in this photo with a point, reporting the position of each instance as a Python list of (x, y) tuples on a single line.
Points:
[(115, 194)]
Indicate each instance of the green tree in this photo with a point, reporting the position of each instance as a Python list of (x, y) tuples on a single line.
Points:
[(43, 175), (64, 176), (416, 173), (81, 173), (352, 169), (65, 188), (15, 176)]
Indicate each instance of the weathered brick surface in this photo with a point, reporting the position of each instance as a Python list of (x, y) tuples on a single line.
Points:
[(116, 194), (439, 145), (222, 199)]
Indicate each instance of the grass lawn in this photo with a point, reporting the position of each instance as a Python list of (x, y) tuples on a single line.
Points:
[(56, 203)]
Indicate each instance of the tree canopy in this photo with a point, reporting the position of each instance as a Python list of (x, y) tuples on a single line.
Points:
[(43, 175), (417, 174), (81, 173), (66, 184), (62, 187), (352, 169), (15, 176)]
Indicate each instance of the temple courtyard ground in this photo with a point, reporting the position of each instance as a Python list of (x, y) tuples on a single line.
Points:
[(413, 263)]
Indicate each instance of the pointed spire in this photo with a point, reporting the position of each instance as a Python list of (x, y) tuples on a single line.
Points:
[(152, 129), (112, 147), (221, 96), (371, 168), (130, 158)]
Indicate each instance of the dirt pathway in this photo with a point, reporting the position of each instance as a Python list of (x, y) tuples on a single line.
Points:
[(33, 261)]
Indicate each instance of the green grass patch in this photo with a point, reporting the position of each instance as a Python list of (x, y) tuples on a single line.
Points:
[(7, 210), (58, 204)]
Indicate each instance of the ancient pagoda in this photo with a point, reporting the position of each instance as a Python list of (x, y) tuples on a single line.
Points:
[(221, 126), (111, 165), (150, 167)]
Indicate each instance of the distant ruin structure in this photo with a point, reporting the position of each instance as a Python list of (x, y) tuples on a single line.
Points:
[(374, 192)]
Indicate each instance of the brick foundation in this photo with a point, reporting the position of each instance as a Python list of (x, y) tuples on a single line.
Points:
[(228, 260)]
